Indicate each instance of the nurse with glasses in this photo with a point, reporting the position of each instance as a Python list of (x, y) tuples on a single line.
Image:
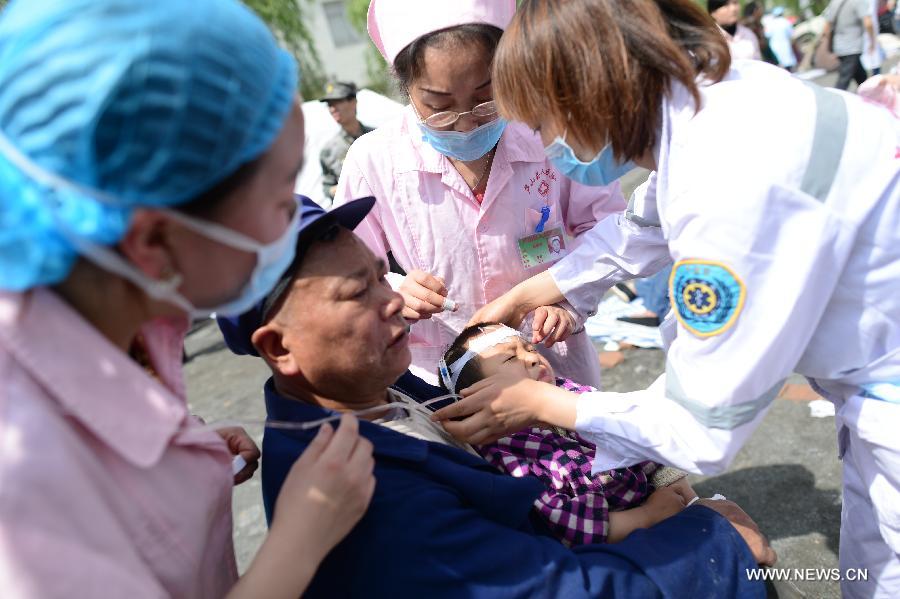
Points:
[(467, 202)]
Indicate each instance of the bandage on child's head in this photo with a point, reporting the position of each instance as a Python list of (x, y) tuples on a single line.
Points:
[(474, 340)]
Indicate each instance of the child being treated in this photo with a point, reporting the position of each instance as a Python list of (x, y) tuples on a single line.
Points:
[(578, 507)]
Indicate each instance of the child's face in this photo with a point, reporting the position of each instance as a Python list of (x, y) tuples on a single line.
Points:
[(516, 356)]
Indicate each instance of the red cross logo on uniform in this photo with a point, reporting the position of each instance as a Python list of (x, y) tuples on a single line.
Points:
[(544, 188)]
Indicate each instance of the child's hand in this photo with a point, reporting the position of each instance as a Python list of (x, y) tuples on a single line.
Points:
[(661, 504), (241, 444), (683, 488), (664, 503), (552, 324)]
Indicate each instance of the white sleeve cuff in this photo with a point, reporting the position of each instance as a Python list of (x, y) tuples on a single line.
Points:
[(614, 250), (628, 428)]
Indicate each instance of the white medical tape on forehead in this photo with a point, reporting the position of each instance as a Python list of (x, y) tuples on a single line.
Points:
[(502, 334)]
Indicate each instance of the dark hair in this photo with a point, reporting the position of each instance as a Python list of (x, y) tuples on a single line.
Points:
[(604, 66), (750, 8), (210, 201), (408, 64), (471, 372)]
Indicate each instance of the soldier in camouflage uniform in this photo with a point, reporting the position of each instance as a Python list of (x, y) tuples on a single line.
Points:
[(341, 100)]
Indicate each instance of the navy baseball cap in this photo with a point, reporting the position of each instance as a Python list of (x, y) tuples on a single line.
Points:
[(237, 330)]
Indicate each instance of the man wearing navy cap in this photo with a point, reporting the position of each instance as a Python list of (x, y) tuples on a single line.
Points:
[(442, 522)]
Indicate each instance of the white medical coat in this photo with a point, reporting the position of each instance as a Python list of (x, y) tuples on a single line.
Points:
[(821, 276)]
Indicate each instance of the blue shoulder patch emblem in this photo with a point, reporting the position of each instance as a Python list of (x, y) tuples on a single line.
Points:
[(708, 296)]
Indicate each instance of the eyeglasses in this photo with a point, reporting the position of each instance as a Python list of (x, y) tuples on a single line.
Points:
[(483, 113)]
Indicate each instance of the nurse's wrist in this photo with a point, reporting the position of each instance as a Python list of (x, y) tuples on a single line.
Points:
[(531, 294), (276, 571), (555, 406)]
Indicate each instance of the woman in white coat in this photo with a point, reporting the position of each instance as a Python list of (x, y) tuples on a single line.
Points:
[(787, 255)]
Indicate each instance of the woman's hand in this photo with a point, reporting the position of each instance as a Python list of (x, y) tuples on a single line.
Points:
[(240, 443), (512, 307), (328, 488), (491, 409), (504, 309), (423, 295), (323, 496), (505, 403), (552, 324)]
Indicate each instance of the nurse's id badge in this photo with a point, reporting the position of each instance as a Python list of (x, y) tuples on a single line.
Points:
[(542, 248)]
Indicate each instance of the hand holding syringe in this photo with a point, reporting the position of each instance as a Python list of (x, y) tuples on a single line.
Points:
[(424, 295)]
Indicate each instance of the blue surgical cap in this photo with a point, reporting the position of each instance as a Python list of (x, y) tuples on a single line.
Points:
[(137, 103)]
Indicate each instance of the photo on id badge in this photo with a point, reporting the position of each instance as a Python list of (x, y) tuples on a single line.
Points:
[(545, 241)]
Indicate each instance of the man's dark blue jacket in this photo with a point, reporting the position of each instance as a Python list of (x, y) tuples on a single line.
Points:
[(444, 523)]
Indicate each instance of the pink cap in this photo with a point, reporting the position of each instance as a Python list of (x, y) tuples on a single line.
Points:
[(394, 24)]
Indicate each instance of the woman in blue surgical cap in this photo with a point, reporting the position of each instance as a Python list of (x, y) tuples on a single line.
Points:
[(148, 152)]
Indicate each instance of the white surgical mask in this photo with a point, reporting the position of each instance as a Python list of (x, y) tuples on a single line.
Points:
[(272, 259), (465, 145)]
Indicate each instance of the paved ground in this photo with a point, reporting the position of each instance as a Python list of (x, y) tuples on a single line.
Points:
[(787, 476)]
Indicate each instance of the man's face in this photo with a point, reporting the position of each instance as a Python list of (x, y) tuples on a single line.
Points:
[(342, 111), (341, 322)]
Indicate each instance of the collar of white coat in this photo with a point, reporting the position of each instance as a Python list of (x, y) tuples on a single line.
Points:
[(517, 144), (678, 106)]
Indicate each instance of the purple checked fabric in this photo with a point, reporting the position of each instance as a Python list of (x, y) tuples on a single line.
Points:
[(575, 505)]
